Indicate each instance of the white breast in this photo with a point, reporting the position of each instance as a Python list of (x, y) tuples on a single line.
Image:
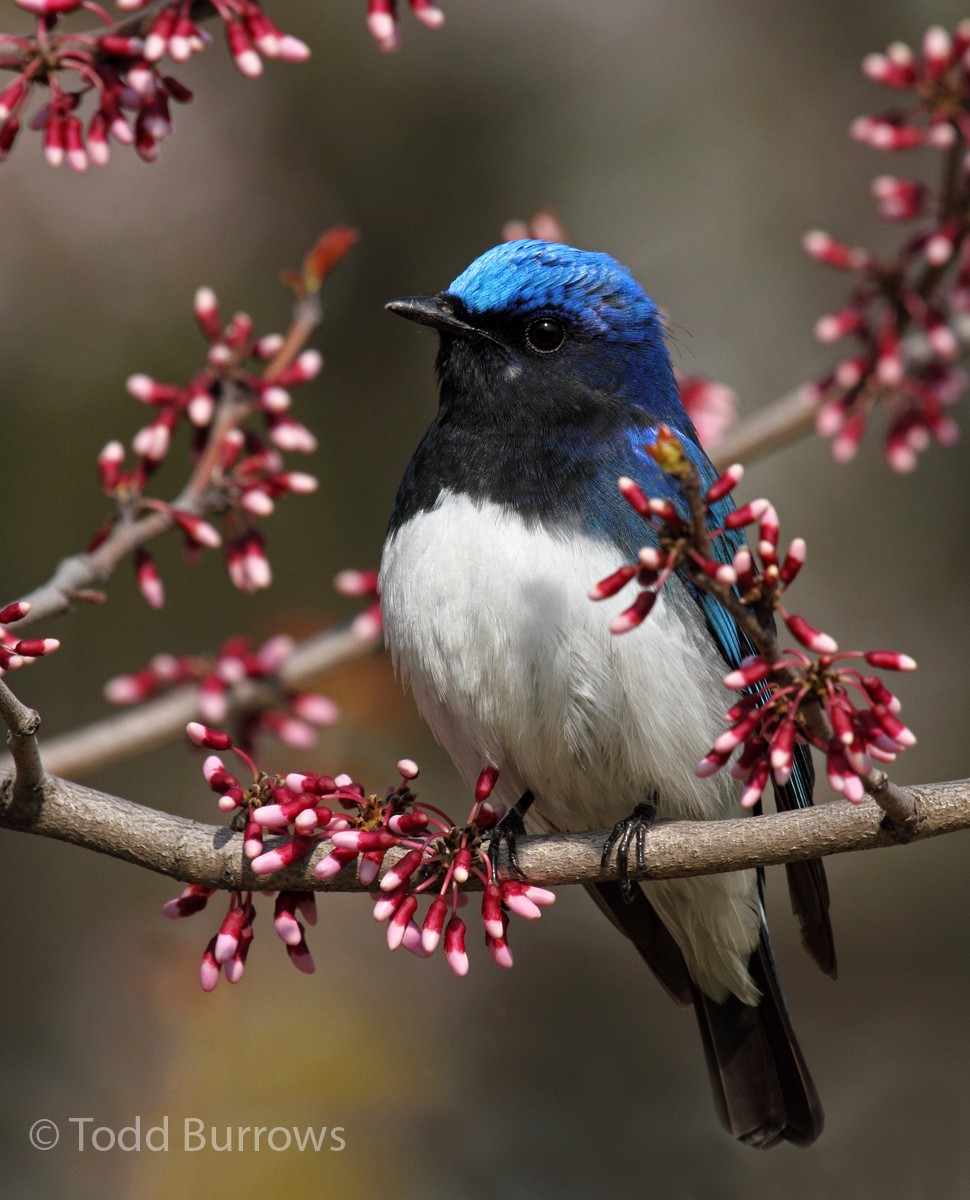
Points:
[(509, 662)]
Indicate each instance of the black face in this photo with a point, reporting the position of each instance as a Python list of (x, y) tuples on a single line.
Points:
[(532, 413)]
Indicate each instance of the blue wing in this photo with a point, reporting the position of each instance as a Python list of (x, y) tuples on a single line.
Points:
[(806, 880)]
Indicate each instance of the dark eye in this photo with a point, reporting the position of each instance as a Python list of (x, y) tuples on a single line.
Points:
[(545, 335)]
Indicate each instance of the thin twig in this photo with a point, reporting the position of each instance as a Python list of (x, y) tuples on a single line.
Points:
[(159, 721), (22, 724)]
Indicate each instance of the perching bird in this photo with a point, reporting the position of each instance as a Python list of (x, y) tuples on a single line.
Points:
[(553, 375)]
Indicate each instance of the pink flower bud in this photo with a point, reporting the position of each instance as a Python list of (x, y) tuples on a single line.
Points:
[(782, 749), (711, 763), (940, 247), (526, 900), (283, 856), (937, 52), (896, 69), (883, 660), (227, 939), (455, 954), (402, 870), (826, 249), (288, 928), (499, 950), (11, 97), (898, 199), (752, 670), (794, 560), (206, 308), (356, 583), (200, 532), (399, 922), (301, 957), (289, 434), (333, 863), (363, 840), (612, 583), (48, 7), (306, 367), (747, 514), (636, 614), (291, 49), (209, 968), (408, 824), (14, 612), (109, 465), (725, 483), (382, 23), (633, 495), (492, 910), (241, 48), (434, 922), (191, 900), (407, 768), (212, 739), (818, 643), (162, 28), (148, 579), (893, 727), (485, 784), (428, 13), (755, 784), (838, 325), (463, 863)]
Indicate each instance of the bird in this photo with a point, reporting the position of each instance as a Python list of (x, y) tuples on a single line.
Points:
[(553, 377)]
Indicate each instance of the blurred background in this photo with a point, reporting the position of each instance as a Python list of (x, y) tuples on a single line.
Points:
[(696, 142)]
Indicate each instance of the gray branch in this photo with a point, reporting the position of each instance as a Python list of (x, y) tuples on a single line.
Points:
[(213, 856)]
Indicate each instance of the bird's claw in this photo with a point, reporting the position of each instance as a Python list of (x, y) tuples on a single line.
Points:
[(634, 826), (504, 834)]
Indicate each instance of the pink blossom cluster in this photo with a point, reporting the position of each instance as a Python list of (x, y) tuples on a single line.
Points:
[(385, 27), (294, 717), (118, 67), (438, 859), (788, 697), (246, 473), (18, 652), (765, 723), (926, 287)]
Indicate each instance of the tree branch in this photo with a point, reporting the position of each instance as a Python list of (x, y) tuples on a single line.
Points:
[(212, 856), (158, 721), (22, 725)]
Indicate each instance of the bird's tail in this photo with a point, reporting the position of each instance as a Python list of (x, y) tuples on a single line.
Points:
[(763, 1092)]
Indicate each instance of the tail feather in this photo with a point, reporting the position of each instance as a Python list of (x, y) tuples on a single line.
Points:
[(763, 1092)]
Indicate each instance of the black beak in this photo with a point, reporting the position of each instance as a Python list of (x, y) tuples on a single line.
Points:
[(437, 311)]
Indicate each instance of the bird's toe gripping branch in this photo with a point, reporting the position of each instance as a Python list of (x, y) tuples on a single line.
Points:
[(506, 832), (632, 830)]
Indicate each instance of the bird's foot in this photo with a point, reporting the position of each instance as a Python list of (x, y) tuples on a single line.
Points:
[(632, 829), (505, 834)]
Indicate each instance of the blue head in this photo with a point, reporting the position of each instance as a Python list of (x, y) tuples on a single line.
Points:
[(544, 328), (553, 372)]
